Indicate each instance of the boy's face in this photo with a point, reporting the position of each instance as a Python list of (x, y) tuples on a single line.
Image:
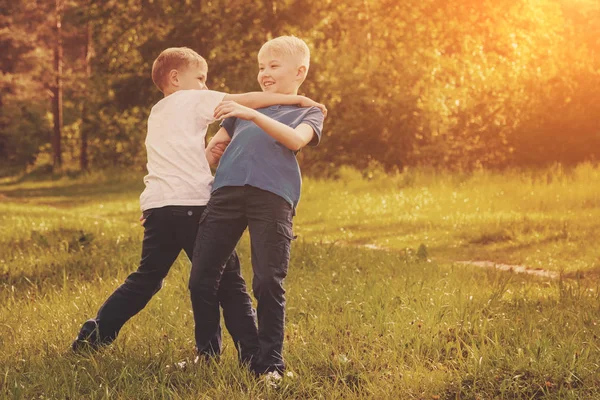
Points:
[(279, 74), (193, 77)]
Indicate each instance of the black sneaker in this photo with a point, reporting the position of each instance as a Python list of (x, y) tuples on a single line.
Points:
[(88, 337)]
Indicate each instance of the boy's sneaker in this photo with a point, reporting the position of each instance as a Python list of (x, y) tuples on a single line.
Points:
[(272, 378), (88, 337), (202, 359), (261, 370)]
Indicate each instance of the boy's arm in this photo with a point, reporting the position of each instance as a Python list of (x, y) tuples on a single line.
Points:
[(262, 99), (216, 146), (293, 139)]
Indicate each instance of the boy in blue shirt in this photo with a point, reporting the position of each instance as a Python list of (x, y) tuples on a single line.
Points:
[(257, 185), (178, 187)]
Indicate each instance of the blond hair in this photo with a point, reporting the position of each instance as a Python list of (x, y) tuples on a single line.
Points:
[(170, 59), (289, 46)]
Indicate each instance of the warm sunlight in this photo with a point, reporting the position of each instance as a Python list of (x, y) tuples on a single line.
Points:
[(277, 199)]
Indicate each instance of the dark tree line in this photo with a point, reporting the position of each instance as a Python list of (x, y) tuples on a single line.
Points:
[(449, 84)]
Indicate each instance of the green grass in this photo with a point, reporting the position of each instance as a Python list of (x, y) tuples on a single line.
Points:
[(361, 323)]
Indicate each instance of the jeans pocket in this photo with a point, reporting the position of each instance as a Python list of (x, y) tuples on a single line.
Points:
[(146, 213), (182, 212), (203, 217)]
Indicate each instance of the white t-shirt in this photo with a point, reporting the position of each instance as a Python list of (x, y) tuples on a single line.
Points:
[(178, 172)]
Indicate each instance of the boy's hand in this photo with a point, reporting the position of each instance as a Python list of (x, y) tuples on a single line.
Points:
[(214, 154), (306, 102), (218, 149), (227, 109)]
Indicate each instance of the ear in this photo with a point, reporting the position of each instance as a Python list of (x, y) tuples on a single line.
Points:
[(173, 77), (301, 73)]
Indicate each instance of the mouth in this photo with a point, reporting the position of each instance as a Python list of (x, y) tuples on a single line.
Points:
[(268, 83)]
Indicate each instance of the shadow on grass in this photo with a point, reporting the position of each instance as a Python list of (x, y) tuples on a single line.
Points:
[(79, 189), (69, 255), (71, 192)]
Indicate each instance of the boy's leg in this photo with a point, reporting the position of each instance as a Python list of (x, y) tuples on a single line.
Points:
[(159, 251), (270, 225), (233, 296), (237, 311), (220, 228)]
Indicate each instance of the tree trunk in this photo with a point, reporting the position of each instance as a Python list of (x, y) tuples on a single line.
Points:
[(57, 90), (85, 120)]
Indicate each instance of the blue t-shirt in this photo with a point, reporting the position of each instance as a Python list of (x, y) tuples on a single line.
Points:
[(255, 158)]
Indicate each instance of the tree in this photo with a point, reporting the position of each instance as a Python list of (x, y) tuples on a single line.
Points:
[(57, 88), (419, 82)]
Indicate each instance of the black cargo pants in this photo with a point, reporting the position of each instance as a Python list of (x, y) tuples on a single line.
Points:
[(269, 219)]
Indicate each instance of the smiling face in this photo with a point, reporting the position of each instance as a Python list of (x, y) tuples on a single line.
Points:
[(279, 73)]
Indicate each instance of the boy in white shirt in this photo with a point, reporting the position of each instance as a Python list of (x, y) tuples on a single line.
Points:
[(178, 187)]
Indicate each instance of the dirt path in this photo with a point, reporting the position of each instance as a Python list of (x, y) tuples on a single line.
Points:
[(519, 269)]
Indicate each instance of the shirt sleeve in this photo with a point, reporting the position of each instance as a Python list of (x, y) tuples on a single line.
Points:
[(229, 125), (314, 118), (207, 101)]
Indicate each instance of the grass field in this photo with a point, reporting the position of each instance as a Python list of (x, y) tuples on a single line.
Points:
[(394, 322)]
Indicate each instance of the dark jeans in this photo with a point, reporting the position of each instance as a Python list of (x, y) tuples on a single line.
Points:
[(269, 219), (167, 231)]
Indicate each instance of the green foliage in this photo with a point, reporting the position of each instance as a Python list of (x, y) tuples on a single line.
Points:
[(428, 82)]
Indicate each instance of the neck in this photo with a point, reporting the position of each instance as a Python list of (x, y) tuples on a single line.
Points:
[(170, 90), (293, 92)]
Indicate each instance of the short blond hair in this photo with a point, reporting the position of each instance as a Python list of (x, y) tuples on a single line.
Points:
[(289, 46), (173, 58)]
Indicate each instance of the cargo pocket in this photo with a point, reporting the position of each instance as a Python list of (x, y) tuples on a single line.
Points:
[(285, 231), (281, 259)]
